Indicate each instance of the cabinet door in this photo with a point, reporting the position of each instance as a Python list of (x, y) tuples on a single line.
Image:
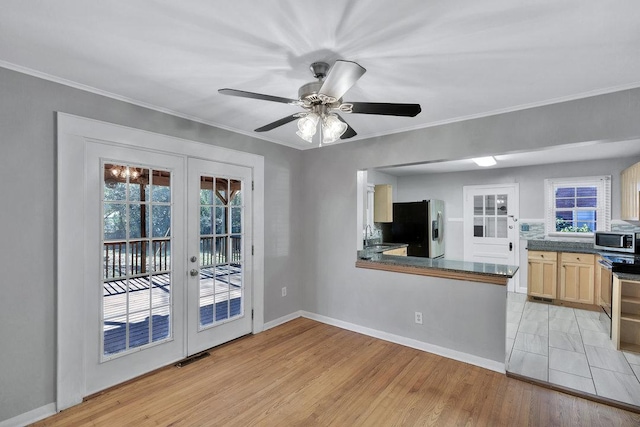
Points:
[(383, 203), (576, 282), (630, 196), (541, 278), (399, 252)]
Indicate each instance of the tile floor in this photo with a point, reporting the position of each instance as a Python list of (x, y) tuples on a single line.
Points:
[(568, 347)]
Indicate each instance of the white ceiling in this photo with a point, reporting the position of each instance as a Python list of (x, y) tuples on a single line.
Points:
[(582, 151), (459, 59)]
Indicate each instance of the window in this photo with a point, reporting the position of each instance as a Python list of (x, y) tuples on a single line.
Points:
[(371, 190), (578, 206)]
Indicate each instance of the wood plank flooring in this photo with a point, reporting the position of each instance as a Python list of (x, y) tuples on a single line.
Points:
[(305, 373)]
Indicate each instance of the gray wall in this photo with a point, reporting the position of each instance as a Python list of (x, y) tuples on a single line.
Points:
[(448, 187), (384, 301), (27, 222), (310, 215)]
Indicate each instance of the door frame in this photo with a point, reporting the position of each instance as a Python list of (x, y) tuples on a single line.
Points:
[(72, 134), (514, 283)]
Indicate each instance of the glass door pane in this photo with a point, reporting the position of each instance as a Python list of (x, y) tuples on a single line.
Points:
[(136, 258), (490, 215), (221, 255)]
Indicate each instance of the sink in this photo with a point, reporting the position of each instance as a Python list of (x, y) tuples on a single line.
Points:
[(378, 246)]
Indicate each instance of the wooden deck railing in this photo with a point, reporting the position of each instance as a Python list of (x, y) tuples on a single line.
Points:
[(159, 256), (115, 257)]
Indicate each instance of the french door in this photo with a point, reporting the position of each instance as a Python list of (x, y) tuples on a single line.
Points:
[(168, 262), (219, 253)]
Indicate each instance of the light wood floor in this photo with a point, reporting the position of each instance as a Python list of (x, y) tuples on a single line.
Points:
[(305, 373)]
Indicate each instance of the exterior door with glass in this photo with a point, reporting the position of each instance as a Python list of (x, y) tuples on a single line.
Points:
[(125, 298), (219, 251), (490, 225), (141, 278), (134, 266)]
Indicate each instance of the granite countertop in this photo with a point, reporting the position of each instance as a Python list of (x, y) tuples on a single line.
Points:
[(376, 248), (628, 276), (443, 264), (584, 247)]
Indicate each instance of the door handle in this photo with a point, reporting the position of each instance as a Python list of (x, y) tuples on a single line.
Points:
[(194, 272), (510, 246)]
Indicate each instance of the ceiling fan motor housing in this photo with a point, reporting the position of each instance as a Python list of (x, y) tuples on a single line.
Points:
[(309, 93)]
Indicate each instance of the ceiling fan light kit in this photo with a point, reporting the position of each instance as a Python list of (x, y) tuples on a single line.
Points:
[(321, 98)]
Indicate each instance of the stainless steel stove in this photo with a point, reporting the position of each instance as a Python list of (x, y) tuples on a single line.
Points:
[(621, 263)]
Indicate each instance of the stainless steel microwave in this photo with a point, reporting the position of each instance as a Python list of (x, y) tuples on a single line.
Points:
[(617, 241)]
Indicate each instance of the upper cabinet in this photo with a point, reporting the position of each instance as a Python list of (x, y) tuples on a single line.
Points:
[(383, 203), (630, 189)]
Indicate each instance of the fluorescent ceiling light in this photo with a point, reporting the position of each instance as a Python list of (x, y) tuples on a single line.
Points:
[(485, 161)]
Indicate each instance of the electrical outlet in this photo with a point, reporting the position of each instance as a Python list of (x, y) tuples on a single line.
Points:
[(418, 318), (284, 291)]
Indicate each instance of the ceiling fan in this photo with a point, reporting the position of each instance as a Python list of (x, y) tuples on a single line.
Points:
[(322, 100)]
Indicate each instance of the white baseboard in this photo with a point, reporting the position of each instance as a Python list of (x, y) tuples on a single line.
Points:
[(50, 409), (409, 342), (281, 320), (31, 416)]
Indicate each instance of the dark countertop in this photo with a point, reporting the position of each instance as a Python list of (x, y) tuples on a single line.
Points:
[(562, 246), (628, 276), (443, 264), (379, 248)]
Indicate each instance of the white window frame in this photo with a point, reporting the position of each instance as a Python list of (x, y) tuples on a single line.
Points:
[(371, 190), (603, 210)]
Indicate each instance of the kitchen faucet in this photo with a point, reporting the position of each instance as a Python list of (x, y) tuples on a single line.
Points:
[(367, 234)]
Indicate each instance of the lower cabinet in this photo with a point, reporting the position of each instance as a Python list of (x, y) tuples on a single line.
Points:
[(577, 278), (542, 274), (626, 315), (399, 252), (562, 275)]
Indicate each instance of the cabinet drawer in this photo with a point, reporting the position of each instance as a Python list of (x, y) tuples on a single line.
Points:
[(543, 255), (578, 258)]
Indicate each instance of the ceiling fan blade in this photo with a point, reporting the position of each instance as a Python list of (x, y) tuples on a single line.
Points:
[(342, 76), (349, 133), (386, 109), (245, 94), (277, 123)]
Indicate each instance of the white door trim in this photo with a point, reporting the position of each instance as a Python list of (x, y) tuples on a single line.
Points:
[(72, 132)]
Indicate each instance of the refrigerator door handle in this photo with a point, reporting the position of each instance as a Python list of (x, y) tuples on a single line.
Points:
[(437, 229)]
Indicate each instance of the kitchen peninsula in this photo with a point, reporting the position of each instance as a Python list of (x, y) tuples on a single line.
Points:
[(498, 274)]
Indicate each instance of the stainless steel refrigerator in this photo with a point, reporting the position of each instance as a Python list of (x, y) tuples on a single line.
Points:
[(421, 226)]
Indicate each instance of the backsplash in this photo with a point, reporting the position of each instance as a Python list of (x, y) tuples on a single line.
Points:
[(376, 234), (531, 230), (625, 226)]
